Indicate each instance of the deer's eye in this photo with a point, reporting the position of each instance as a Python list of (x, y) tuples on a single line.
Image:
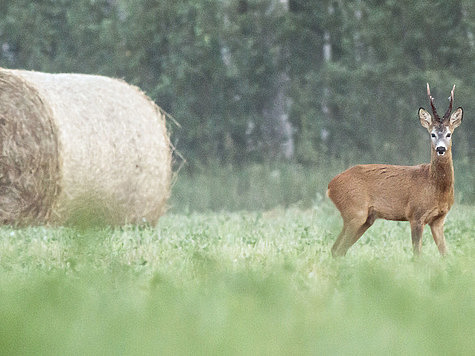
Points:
[(448, 135), (433, 135)]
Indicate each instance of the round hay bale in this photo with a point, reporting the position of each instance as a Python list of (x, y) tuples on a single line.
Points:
[(77, 146)]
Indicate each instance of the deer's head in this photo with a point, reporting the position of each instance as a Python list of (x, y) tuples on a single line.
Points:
[(441, 129)]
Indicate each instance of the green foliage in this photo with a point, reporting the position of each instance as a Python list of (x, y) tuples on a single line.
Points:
[(350, 75), (367, 94), (236, 283), (261, 187), (58, 36)]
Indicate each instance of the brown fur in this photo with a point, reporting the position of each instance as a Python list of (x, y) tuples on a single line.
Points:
[(420, 194)]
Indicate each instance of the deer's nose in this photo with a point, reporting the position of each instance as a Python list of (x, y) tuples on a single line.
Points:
[(440, 150)]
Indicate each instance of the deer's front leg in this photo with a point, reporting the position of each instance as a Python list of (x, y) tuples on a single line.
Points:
[(437, 229), (416, 233)]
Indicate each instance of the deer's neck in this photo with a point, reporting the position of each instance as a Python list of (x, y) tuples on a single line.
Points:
[(442, 171)]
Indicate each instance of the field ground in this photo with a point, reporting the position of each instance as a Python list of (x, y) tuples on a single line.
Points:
[(237, 283)]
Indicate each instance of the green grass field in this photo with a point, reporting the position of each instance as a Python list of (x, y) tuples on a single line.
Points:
[(226, 283)]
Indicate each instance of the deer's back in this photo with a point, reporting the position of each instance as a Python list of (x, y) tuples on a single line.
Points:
[(392, 192)]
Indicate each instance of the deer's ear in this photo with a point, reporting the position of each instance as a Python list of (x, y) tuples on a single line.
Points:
[(425, 118), (456, 118)]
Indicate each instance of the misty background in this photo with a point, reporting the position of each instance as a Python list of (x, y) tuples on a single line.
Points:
[(289, 90)]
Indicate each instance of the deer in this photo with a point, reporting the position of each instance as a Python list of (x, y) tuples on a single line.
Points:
[(421, 194)]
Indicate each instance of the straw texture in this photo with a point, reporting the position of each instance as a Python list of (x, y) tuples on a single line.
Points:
[(80, 147)]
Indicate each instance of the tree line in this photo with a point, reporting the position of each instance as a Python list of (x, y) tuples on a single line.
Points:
[(267, 80)]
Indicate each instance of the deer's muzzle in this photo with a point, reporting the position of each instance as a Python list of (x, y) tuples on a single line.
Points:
[(441, 150)]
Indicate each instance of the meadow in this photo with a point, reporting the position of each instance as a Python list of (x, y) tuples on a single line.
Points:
[(237, 283)]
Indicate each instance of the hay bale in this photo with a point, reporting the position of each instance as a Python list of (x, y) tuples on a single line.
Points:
[(74, 144)]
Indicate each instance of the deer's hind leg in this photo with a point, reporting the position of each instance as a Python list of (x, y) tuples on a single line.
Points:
[(353, 228)]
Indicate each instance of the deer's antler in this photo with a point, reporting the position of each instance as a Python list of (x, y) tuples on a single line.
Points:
[(451, 101), (431, 99)]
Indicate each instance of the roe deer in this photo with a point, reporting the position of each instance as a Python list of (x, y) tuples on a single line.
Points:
[(420, 194)]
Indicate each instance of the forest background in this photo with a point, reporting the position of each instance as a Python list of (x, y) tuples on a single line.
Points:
[(294, 86)]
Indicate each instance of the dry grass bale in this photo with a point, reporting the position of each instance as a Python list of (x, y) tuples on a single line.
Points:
[(73, 143)]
